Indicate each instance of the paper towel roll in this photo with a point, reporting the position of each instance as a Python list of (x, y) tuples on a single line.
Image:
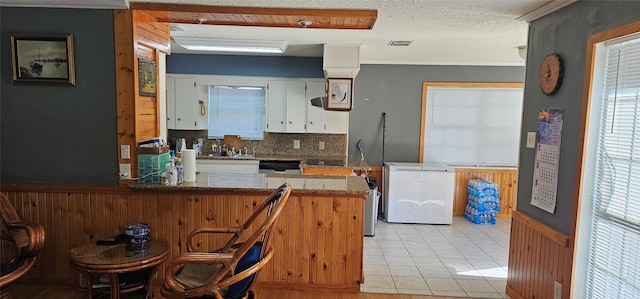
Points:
[(189, 163)]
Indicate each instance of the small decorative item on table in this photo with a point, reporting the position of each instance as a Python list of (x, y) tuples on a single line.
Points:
[(137, 238)]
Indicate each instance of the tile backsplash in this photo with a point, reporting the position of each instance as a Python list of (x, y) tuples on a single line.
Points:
[(274, 143)]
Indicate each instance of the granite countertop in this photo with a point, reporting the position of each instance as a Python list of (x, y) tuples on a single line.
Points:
[(350, 162), (262, 182)]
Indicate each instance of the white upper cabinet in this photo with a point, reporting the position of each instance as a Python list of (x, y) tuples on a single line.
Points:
[(320, 120), (286, 106), (171, 102), (296, 107), (315, 115), (276, 106), (184, 109), (289, 109), (336, 122)]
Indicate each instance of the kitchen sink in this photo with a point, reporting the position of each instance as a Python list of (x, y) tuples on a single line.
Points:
[(243, 156)]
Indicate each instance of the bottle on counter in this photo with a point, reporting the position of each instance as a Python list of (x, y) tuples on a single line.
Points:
[(224, 150), (170, 173), (179, 170)]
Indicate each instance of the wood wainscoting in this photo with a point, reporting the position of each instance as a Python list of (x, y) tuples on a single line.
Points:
[(538, 256), (507, 180), (318, 242)]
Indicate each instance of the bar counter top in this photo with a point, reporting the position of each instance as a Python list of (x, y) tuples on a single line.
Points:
[(263, 182)]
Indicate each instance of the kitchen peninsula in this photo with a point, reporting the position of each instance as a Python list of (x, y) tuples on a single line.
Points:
[(319, 236)]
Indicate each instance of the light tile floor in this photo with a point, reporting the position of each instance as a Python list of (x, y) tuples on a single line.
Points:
[(459, 260)]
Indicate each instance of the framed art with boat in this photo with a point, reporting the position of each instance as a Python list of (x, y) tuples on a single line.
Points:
[(42, 59)]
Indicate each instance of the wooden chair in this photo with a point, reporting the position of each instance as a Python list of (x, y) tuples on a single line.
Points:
[(21, 243), (231, 271)]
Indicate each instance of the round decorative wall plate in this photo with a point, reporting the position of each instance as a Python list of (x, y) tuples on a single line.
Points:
[(551, 73)]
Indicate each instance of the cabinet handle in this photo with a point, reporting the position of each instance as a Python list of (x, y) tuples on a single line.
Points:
[(179, 118), (195, 123), (290, 122), (282, 123), (311, 123)]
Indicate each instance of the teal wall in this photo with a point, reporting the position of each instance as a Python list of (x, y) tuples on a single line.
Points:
[(564, 32), (60, 134)]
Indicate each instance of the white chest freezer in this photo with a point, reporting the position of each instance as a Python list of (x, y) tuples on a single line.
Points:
[(419, 192)]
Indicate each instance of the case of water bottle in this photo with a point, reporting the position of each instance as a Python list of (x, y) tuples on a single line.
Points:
[(483, 201), (477, 217)]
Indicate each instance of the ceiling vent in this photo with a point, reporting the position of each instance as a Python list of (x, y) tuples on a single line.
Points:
[(400, 43), (176, 27)]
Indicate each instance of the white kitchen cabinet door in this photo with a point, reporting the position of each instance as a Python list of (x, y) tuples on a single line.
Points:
[(186, 108), (201, 106), (296, 106), (315, 115), (276, 106), (320, 120), (336, 122), (171, 103)]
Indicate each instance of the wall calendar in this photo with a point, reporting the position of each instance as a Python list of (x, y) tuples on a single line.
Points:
[(545, 170)]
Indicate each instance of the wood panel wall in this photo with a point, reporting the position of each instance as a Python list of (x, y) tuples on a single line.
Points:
[(136, 36), (507, 180), (538, 256), (318, 241)]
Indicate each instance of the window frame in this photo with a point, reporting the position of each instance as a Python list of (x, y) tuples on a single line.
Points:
[(590, 122), (461, 85)]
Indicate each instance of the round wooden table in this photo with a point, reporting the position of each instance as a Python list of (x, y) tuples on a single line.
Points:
[(117, 261)]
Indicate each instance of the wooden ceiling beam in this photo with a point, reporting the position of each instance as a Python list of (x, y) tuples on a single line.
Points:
[(259, 16)]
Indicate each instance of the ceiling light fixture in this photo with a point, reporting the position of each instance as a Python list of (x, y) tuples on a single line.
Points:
[(304, 23), (177, 27), (230, 45), (522, 51), (400, 43)]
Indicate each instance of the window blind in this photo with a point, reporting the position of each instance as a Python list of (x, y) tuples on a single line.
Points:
[(236, 110), (473, 125), (614, 262)]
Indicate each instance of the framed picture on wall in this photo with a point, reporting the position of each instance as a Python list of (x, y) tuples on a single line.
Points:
[(340, 94), (147, 77), (45, 59)]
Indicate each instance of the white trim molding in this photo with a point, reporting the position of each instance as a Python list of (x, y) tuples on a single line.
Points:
[(544, 10)]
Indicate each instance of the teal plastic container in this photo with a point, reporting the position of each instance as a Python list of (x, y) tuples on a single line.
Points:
[(151, 167)]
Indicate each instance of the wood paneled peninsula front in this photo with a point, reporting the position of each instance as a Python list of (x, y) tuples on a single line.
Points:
[(319, 238)]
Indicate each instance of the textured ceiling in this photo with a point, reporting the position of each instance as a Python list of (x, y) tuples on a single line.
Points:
[(459, 32), (475, 32)]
